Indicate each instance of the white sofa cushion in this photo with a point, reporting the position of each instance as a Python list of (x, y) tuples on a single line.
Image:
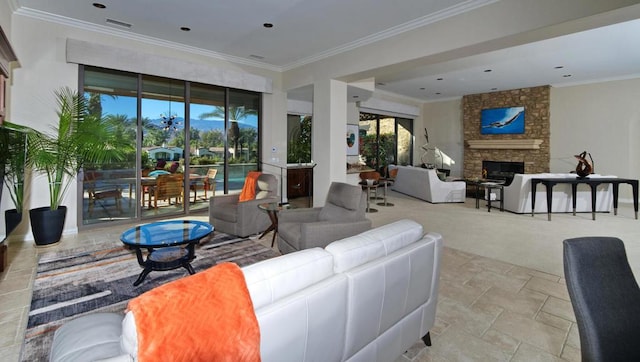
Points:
[(354, 251), (308, 325), (392, 299), (273, 279)]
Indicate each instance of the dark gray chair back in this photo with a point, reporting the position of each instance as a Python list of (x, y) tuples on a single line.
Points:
[(605, 298)]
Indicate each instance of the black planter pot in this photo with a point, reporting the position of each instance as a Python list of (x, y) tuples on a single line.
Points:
[(47, 224), (12, 219)]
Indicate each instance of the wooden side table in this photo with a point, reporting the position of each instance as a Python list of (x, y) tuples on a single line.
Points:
[(272, 209)]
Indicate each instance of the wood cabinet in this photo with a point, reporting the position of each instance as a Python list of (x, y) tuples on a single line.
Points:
[(299, 182)]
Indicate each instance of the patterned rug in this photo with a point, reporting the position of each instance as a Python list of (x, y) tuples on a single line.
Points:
[(100, 278)]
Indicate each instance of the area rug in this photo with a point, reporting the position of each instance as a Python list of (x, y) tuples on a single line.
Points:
[(99, 278)]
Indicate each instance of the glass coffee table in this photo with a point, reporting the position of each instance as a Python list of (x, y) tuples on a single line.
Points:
[(169, 244)]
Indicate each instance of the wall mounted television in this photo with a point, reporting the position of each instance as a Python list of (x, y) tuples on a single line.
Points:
[(508, 120)]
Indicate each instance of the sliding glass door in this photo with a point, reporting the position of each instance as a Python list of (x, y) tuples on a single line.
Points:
[(385, 140), (189, 141)]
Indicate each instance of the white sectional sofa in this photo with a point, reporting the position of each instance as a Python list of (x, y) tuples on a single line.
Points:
[(364, 298), (424, 184), (517, 196)]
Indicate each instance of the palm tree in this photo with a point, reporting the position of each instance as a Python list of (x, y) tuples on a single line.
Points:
[(236, 113)]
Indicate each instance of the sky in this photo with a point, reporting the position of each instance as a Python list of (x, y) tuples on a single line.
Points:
[(153, 109)]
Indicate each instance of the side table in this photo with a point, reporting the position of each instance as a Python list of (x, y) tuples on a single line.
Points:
[(385, 182), (489, 186), (368, 188), (272, 209)]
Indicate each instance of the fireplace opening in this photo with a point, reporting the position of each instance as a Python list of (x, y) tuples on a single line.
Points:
[(501, 170)]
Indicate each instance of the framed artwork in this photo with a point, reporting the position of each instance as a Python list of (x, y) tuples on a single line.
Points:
[(508, 120), (352, 140)]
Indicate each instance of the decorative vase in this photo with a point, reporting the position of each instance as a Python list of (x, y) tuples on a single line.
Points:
[(47, 224), (12, 219)]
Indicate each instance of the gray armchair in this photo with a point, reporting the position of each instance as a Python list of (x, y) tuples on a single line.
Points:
[(228, 215), (343, 215), (605, 298)]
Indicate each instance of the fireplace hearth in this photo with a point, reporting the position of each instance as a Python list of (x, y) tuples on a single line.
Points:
[(501, 170)]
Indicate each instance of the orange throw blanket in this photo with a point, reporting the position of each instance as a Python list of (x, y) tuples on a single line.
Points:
[(249, 188), (207, 316)]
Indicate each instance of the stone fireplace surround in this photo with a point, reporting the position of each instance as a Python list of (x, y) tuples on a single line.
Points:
[(531, 148)]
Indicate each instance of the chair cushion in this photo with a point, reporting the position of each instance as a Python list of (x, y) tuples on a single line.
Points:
[(226, 212), (342, 202), (332, 212), (157, 173), (344, 195)]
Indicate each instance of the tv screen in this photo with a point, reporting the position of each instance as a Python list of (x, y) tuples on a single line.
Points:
[(502, 121)]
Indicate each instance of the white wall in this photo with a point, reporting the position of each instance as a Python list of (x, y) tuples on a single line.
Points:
[(443, 120), (603, 119)]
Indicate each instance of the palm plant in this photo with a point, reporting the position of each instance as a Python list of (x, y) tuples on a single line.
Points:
[(80, 138), (13, 153)]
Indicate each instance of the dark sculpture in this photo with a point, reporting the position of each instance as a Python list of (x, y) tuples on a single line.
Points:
[(584, 168)]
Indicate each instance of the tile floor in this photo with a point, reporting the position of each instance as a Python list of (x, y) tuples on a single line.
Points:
[(488, 310)]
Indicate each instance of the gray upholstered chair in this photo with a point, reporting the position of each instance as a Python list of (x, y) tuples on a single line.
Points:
[(605, 298), (228, 215), (343, 215)]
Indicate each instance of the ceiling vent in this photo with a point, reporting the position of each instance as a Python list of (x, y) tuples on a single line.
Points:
[(119, 23)]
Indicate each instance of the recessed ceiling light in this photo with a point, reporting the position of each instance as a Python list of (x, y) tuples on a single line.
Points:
[(267, 25), (99, 6), (184, 28), (487, 70), (566, 75)]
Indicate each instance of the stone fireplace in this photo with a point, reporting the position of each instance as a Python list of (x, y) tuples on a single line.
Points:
[(530, 148)]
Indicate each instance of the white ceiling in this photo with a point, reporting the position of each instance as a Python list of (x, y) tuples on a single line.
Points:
[(308, 30)]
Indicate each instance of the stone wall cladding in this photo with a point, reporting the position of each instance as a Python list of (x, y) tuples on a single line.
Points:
[(536, 104)]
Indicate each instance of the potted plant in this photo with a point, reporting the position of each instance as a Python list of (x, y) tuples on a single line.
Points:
[(14, 157), (80, 138)]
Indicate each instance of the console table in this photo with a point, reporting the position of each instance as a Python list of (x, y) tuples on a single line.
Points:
[(593, 184)]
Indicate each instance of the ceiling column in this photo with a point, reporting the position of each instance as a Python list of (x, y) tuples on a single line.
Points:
[(328, 149)]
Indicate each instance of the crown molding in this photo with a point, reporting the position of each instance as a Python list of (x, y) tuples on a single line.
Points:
[(399, 29)]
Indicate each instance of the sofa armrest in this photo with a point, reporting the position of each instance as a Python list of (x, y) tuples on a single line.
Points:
[(321, 233)]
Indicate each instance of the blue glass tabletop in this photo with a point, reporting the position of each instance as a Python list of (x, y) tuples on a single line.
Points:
[(166, 233)]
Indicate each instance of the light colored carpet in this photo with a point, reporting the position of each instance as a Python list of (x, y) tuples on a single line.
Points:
[(531, 242)]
